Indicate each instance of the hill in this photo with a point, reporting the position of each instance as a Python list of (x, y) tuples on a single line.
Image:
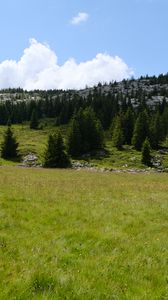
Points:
[(124, 101)]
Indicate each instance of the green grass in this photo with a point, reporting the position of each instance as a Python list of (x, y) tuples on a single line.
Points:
[(79, 235), (127, 158), (30, 141)]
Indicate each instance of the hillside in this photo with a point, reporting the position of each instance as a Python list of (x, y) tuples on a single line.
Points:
[(154, 88), (123, 102)]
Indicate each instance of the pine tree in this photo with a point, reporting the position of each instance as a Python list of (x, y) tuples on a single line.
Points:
[(91, 131), (55, 155), (74, 143), (164, 121), (141, 130), (34, 120), (85, 133), (9, 148), (156, 131), (128, 126), (146, 153), (117, 137)]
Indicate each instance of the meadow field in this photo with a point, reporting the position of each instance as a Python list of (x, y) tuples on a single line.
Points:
[(68, 234)]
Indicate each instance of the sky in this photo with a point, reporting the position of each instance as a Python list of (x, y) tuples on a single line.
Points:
[(76, 43)]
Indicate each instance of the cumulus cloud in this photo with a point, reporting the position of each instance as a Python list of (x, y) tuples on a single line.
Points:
[(38, 68), (81, 17)]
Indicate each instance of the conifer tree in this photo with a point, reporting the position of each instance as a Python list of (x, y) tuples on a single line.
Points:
[(141, 130), (9, 148), (164, 122), (128, 126), (34, 120), (91, 130), (156, 131), (146, 153), (118, 137), (74, 143), (55, 155), (85, 133)]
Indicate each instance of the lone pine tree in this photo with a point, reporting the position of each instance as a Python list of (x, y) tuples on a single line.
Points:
[(9, 148)]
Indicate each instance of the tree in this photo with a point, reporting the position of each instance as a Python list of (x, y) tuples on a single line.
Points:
[(128, 126), (156, 131), (141, 130), (91, 131), (34, 120), (85, 133), (146, 153), (117, 137), (164, 120), (9, 148), (74, 143), (55, 155)]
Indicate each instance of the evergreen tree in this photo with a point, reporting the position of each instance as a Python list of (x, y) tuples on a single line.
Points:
[(141, 130), (164, 121), (128, 126), (156, 131), (146, 153), (55, 155), (9, 148), (74, 143), (34, 120), (91, 131), (85, 133), (118, 137)]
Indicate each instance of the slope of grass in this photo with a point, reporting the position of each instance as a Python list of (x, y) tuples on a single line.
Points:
[(31, 141), (81, 235)]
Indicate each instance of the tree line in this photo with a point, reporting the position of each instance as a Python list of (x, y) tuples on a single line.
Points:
[(86, 135)]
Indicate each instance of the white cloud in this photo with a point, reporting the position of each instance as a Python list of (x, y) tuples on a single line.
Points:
[(81, 17), (38, 69)]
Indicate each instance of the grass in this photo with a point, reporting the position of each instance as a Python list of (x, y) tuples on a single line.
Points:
[(79, 235), (127, 158), (30, 141)]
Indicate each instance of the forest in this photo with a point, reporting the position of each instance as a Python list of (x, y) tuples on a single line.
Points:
[(125, 110)]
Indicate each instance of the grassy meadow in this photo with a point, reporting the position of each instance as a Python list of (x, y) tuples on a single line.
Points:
[(73, 235)]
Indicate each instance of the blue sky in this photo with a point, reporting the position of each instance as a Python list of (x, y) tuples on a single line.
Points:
[(133, 30)]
